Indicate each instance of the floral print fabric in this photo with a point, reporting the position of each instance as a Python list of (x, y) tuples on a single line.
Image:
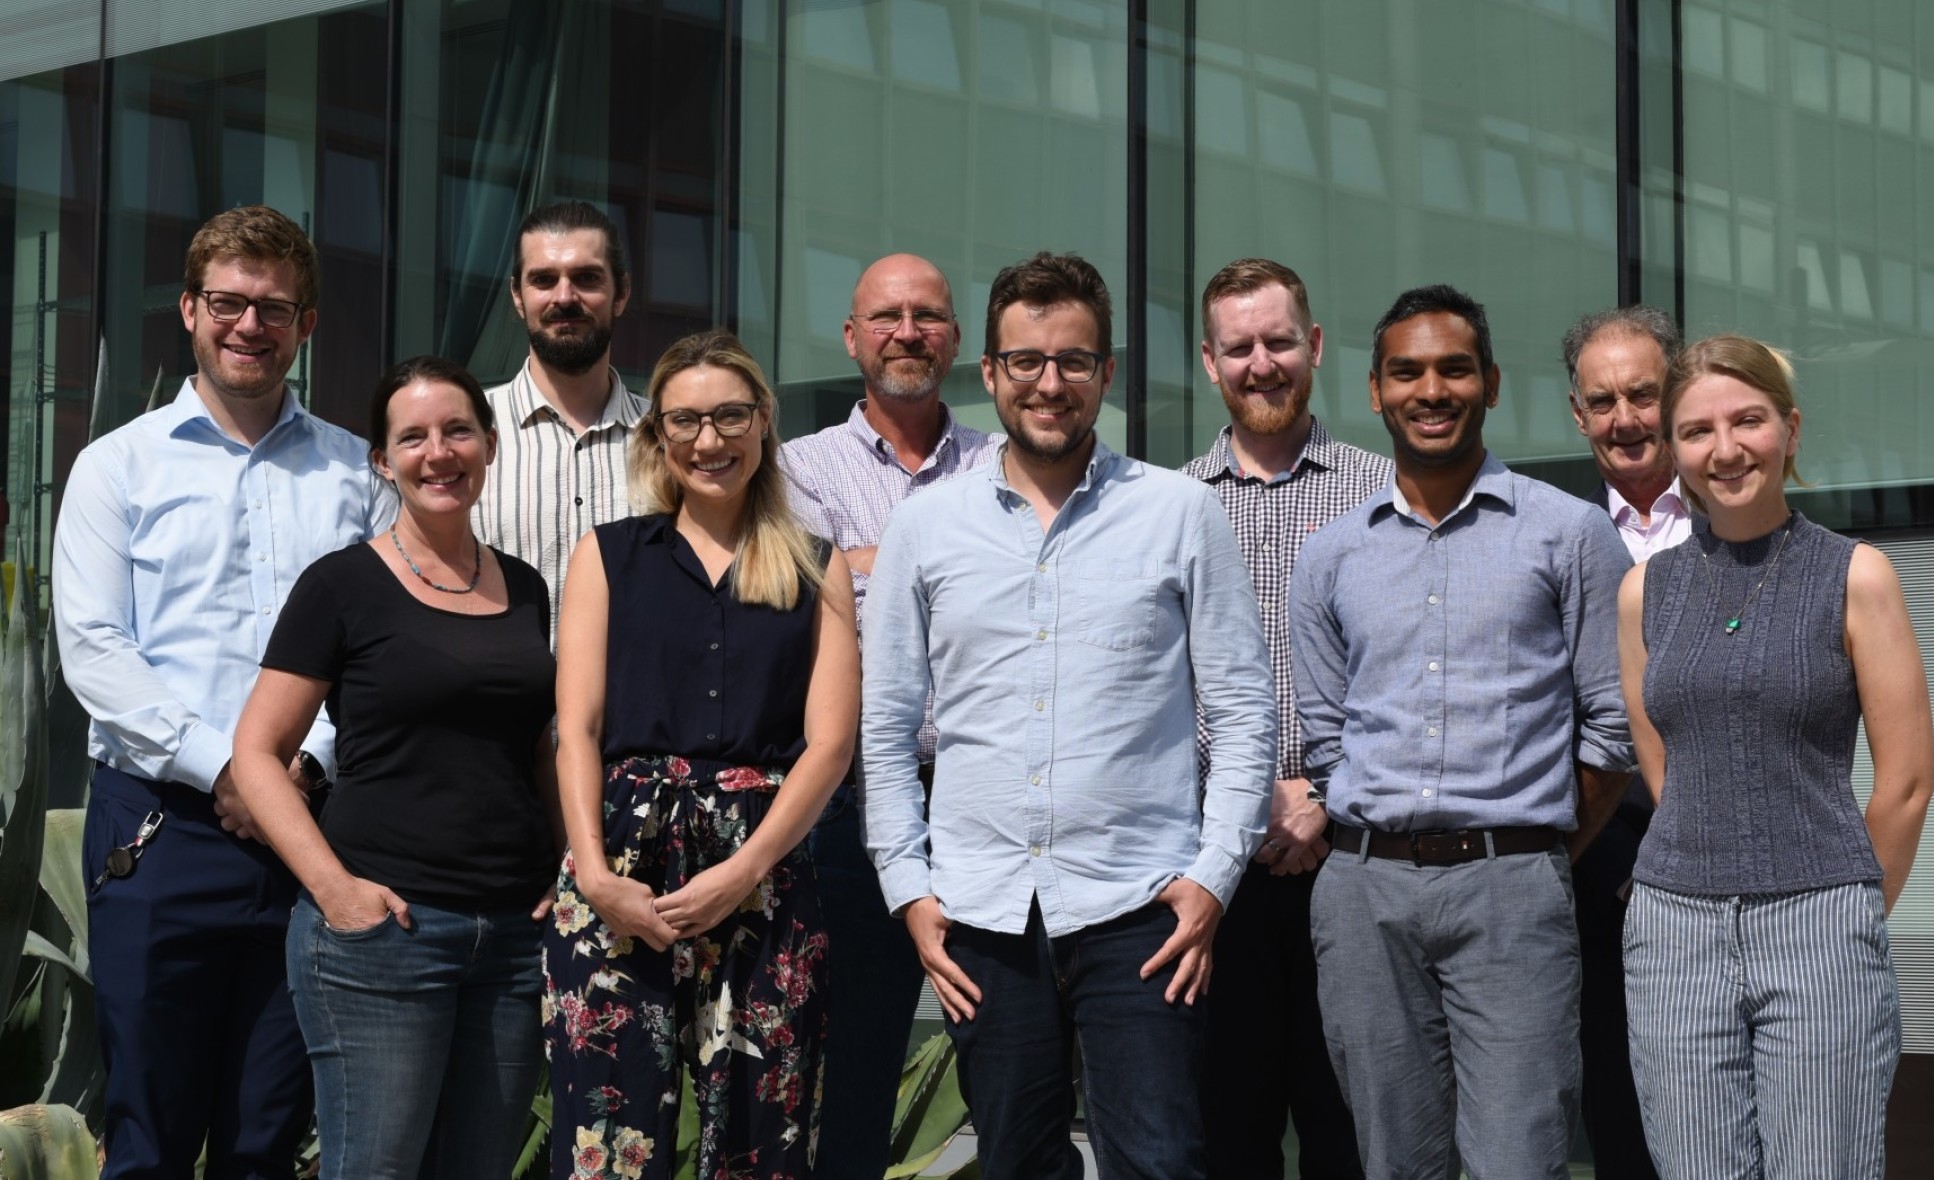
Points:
[(742, 1006)]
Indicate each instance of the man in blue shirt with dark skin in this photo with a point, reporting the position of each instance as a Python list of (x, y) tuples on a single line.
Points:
[(1066, 606), (180, 535), (1455, 653)]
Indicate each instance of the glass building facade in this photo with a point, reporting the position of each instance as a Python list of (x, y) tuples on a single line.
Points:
[(1749, 165)]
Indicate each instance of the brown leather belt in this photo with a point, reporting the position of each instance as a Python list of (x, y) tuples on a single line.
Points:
[(1446, 846)]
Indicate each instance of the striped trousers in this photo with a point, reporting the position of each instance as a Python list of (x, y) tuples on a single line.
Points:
[(1765, 1031)]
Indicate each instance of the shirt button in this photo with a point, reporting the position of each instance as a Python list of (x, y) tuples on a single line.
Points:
[(1043, 567), (714, 692), (1433, 665), (1034, 850), (261, 557), (579, 500), (1038, 705), (1036, 780), (1433, 600), (258, 503), (715, 647), (1041, 634), (265, 610), (1432, 731), (1427, 792)]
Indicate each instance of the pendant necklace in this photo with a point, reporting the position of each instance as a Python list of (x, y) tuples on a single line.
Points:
[(418, 570), (1732, 624)]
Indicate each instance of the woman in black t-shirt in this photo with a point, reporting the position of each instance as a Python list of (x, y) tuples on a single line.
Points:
[(413, 950), (708, 692)]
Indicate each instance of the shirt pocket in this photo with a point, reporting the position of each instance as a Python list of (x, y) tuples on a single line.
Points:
[(1114, 602)]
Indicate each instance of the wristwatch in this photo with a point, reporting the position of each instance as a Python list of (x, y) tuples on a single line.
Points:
[(1315, 796), (313, 775)]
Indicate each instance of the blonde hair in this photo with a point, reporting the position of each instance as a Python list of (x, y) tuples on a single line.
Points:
[(1744, 359), (776, 557)]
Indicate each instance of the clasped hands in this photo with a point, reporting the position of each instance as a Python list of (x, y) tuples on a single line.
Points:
[(634, 909)]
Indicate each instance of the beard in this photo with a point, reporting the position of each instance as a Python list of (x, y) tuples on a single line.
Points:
[(904, 384), (248, 385), (575, 355), (1047, 448), (1260, 417)]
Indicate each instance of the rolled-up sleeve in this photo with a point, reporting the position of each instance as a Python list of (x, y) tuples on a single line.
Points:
[(1590, 612), (897, 678), (1230, 661)]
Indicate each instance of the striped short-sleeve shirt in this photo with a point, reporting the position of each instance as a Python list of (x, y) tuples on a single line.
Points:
[(550, 485)]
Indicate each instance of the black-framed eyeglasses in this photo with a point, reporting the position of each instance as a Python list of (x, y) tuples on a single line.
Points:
[(121, 861), (227, 306), (1028, 364), (927, 321), (731, 420)]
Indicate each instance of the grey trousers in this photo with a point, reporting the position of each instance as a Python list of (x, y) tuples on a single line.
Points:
[(1450, 1002), (1765, 1031)]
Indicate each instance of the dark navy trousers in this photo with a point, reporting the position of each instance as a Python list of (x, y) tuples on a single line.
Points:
[(197, 1029)]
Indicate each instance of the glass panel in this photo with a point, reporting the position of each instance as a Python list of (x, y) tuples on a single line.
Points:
[(289, 115), (1809, 228), (972, 134), (1468, 142), (48, 174), (615, 102)]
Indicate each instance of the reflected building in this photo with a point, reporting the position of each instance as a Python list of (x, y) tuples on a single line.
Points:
[(1749, 165)]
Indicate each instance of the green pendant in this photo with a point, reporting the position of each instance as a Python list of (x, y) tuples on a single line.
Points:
[(1732, 626)]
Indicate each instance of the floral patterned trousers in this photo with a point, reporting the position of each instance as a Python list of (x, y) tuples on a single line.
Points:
[(742, 1006)]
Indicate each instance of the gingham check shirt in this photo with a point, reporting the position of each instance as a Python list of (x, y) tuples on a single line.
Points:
[(549, 486), (846, 480), (1271, 520)]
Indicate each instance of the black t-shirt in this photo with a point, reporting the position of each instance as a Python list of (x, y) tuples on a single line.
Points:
[(689, 669), (437, 720)]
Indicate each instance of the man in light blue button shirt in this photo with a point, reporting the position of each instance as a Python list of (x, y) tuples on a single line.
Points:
[(179, 536), (1455, 652), (1066, 606)]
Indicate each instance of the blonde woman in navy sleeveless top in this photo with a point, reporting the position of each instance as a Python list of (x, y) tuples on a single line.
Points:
[(1765, 1017), (707, 698)]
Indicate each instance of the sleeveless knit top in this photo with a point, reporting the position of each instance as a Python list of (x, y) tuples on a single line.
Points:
[(1759, 727), (689, 669)]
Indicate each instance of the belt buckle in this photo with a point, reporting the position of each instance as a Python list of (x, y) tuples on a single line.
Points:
[(1441, 844)]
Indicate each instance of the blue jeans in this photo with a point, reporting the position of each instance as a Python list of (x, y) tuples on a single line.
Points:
[(1141, 1056), (875, 987), (425, 1042)]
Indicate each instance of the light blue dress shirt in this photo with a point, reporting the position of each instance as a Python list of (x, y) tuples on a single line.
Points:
[(175, 548), (1064, 668), (1449, 676)]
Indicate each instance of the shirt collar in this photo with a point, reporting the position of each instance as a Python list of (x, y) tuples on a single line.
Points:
[(622, 408), (1493, 479), (1671, 503), (1100, 464), (1319, 450), (877, 446), (188, 407)]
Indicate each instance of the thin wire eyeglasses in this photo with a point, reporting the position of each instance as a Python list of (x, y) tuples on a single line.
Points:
[(1028, 364), (927, 321), (730, 420), (227, 307)]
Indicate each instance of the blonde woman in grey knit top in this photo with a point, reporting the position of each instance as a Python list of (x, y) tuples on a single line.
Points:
[(1765, 1018)]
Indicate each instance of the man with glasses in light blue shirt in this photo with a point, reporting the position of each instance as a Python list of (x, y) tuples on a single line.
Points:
[(1066, 606), (180, 534)]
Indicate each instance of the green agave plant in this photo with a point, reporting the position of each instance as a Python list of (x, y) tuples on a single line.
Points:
[(50, 1071)]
